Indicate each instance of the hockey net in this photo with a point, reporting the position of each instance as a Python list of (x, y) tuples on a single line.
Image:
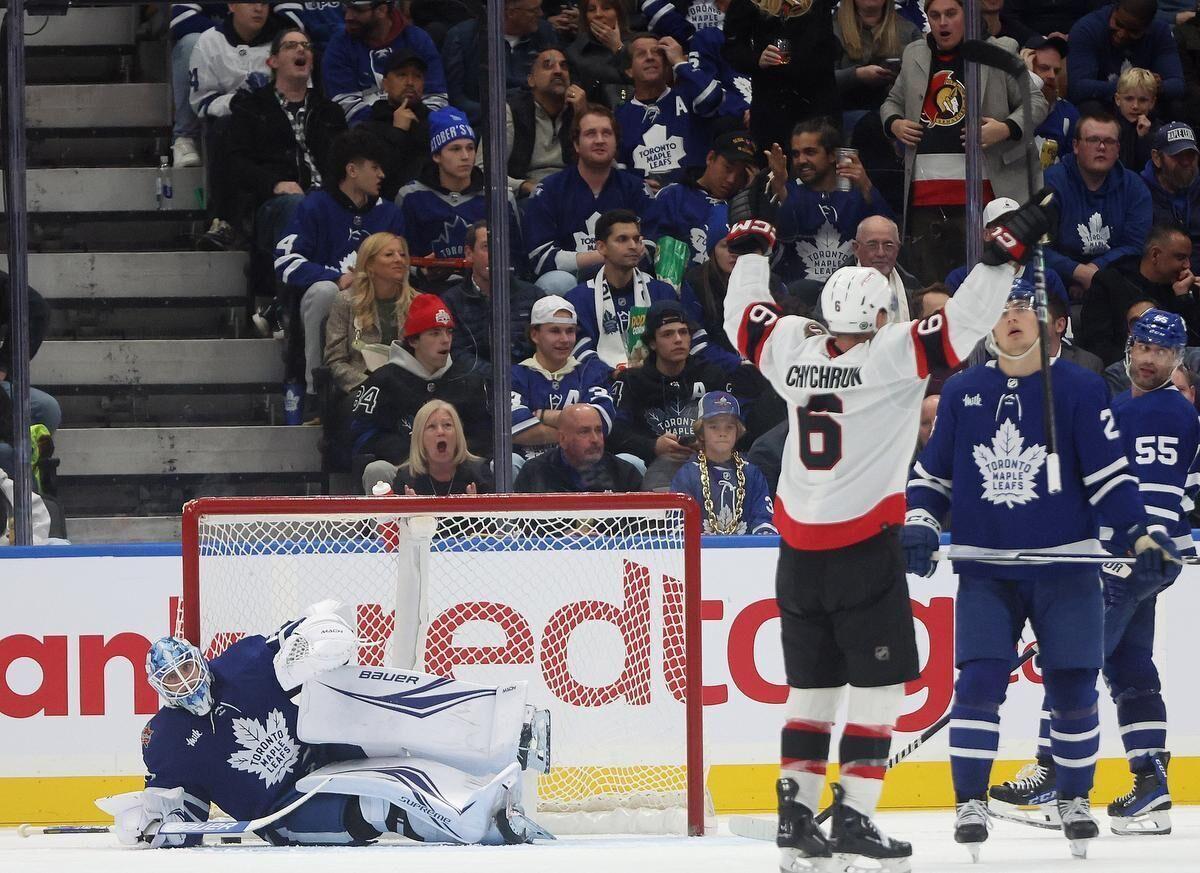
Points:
[(591, 599)]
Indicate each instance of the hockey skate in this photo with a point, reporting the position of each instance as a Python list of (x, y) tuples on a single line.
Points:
[(1144, 809), (1029, 797), (1078, 826), (516, 827), (856, 839), (803, 846), (971, 825), (533, 749)]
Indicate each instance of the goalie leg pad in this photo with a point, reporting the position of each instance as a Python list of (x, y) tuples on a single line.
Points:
[(439, 804), (388, 712)]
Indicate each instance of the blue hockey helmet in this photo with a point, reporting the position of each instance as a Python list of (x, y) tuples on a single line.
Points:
[(1158, 328), (180, 675)]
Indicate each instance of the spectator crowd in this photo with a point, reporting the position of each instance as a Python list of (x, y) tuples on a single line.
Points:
[(343, 147)]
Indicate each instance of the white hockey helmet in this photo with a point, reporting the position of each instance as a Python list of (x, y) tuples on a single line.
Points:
[(852, 297)]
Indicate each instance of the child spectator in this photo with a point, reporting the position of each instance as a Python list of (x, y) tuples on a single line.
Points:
[(732, 492), (1137, 91)]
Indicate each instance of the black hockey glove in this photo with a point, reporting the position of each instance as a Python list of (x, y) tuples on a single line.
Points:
[(1014, 238), (751, 237)]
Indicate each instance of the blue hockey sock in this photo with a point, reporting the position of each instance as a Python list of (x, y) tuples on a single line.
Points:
[(1074, 729), (1143, 721), (1043, 746), (974, 739)]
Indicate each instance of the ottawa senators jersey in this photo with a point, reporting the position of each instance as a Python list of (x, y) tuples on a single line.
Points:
[(854, 415)]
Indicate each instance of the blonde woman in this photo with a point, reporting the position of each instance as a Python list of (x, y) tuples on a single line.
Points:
[(788, 50), (873, 36), (371, 311), (439, 462)]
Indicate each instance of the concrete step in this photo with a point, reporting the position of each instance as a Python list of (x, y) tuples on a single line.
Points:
[(121, 407), (110, 189), (188, 319), (83, 26), (125, 529), (165, 364), (107, 277), (89, 147), (79, 65), (187, 451), (139, 496), (138, 104), (111, 231)]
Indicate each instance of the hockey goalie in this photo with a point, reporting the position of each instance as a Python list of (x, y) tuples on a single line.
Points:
[(273, 718)]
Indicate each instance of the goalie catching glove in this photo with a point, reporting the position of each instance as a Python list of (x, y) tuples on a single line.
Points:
[(751, 237), (1014, 235), (319, 642)]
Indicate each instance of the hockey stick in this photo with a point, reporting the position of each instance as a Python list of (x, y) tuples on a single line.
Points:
[(239, 827), (764, 828), (28, 830), (989, 54), (1043, 557)]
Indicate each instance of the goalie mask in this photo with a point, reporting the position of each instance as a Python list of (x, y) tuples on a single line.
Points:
[(180, 675), (1160, 338), (852, 298)]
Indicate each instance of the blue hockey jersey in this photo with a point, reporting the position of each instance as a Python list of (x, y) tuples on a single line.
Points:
[(352, 71), (987, 455), (816, 227), (673, 133), (1161, 435), (437, 219), (757, 507), (321, 19), (243, 756), (534, 387), (562, 211), (195, 18), (598, 323), (701, 33), (322, 239), (687, 212)]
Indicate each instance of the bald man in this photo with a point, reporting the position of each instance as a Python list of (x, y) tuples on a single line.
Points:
[(877, 244), (579, 463)]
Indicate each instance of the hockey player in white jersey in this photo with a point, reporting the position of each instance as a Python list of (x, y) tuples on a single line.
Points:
[(840, 584), (388, 750)]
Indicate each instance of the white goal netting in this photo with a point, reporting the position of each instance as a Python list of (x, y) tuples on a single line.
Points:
[(595, 606)]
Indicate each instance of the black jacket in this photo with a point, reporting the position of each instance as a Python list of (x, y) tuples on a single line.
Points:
[(263, 150), (1102, 326), (815, 53), (548, 473), (469, 472), (384, 406), (650, 403), (472, 313), (407, 150), (520, 154), (39, 323)]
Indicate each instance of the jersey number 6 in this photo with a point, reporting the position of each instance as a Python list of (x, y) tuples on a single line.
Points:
[(820, 434)]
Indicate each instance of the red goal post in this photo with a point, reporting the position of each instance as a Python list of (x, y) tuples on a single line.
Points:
[(593, 599)]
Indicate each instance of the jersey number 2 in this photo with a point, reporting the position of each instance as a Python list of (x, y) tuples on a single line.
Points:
[(820, 434)]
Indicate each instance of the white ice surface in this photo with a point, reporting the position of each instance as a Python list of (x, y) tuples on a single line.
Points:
[(1011, 848)]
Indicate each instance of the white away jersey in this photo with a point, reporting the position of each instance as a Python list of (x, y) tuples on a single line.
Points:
[(854, 416)]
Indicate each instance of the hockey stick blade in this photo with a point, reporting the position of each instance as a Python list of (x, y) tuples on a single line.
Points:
[(239, 827), (28, 830), (988, 54), (754, 827)]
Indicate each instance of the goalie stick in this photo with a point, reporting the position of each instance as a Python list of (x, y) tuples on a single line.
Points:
[(1033, 557), (756, 827), (238, 827)]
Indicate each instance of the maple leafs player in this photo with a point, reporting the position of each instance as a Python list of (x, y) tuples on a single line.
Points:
[(843, 598), (233, 733), (1160, 434), (984, 458)]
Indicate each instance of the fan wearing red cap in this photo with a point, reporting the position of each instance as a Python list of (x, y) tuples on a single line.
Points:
[(419, 369)]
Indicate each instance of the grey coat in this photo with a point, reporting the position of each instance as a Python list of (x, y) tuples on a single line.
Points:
[(1006, 166)]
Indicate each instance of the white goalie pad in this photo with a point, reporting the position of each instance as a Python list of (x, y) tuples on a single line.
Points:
[(475, 728), (441, 803)]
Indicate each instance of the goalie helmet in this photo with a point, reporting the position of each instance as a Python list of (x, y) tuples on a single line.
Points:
[(852, 297), (180, 675)]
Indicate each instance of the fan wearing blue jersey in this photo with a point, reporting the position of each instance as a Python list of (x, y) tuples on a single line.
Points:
[(552, 378), (1160, 434), (270, 718), (986, 458)]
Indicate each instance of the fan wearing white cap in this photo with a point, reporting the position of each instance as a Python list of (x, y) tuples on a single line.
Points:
[(552, 378), (854, 401), (992, 213)]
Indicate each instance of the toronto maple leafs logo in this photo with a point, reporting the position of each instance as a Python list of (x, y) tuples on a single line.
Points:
[(1009, 469), (585, 240), (450, 243), (699, 245), (824, 254), (267, 750), (1094, 235), (658, 152)]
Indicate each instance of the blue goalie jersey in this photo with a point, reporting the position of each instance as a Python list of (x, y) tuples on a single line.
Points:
[(988, 451), (244, 755), (1161, 435)]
